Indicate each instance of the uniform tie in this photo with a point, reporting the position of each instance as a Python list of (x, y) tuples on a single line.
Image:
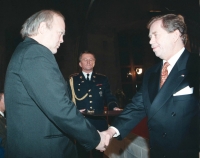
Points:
[(164, 73), (88, 79)]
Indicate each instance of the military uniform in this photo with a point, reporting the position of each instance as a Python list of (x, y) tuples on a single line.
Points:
[(92, 94), (98, 94)]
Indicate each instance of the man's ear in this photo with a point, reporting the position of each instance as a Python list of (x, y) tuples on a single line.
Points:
[(80, 64), (176, 35), (42, 28)]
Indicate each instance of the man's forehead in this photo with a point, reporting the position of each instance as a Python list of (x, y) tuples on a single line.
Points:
[(87, 56)]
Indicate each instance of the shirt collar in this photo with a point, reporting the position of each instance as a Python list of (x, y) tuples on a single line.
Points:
[(1, 113), (85, 74), (172, 61)]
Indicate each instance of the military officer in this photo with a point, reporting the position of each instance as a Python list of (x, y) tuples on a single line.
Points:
[(90, 92)]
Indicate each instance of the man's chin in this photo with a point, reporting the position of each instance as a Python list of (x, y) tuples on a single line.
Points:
[(54, 51)]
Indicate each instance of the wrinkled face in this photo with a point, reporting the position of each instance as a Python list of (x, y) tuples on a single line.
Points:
[(87, 62), (160, 40), (54, 35)]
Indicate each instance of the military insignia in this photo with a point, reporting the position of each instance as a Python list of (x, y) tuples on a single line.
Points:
[(72, 75), (89, 90), (182, 75), (78, 89), (100, 74), (100, 93), (79, 84), (100, 88), (98, 84)]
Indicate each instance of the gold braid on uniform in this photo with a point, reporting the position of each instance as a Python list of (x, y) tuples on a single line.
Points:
[(74, 97)]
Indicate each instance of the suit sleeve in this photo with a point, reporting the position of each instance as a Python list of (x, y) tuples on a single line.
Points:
[(133, 113), (111, 100), (46, 86)]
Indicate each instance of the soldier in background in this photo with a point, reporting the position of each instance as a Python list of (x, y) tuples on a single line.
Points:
[(90, 92)]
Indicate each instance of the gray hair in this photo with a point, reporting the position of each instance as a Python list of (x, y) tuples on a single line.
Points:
[(172, 22), (31, 25)]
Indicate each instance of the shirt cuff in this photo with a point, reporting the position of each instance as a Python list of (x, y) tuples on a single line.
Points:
[(116, 131)]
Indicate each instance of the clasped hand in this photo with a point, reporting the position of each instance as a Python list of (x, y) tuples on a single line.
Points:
[(105, 139)]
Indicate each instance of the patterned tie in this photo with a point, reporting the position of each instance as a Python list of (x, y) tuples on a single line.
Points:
[(164, 73)]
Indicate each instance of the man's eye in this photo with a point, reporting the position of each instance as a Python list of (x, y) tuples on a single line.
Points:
[(60, 33)]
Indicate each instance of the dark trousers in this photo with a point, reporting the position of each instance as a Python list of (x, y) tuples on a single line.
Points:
[(82, 153)]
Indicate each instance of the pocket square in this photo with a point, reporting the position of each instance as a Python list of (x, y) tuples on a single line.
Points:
[(184, 91)]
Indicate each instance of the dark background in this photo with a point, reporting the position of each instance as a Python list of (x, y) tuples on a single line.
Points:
[(115, 30)]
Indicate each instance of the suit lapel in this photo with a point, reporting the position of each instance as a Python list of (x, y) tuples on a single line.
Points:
[(153, 83), (93, 80), (171, 85)]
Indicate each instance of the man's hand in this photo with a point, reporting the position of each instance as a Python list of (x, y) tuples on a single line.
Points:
[(111, 132), (82, 110), (105, 139)]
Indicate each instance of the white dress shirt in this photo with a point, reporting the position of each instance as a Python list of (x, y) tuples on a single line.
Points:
[(85, 74), (1, 113), (172, 61)]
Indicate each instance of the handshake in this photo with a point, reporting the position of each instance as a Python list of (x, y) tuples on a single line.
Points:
[(105, 139)]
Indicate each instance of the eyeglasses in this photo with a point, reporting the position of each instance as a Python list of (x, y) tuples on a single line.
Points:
[(88, 60)]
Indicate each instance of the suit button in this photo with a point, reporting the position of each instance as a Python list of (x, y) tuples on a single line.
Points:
[(89, 90), (90, 101), (164, 134), (173, 114), (90, 95)]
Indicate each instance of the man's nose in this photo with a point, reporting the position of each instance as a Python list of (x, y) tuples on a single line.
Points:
[(61, 39), (151, 41)]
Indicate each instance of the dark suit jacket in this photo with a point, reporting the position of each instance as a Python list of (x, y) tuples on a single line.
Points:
[(172, 120), (40, 115), (99, 94)]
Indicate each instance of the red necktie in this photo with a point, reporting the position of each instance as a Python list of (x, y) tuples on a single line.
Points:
[(164, 73)]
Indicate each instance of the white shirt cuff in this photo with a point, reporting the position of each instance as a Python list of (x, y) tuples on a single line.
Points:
[(116, 131)]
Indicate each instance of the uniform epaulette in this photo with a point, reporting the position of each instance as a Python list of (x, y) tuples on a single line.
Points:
[(75, 74), (100, 74)]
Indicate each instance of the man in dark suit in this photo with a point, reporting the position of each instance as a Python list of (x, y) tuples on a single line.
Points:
[(41, 118), (171, 105), (2, 126), (90, 92)]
